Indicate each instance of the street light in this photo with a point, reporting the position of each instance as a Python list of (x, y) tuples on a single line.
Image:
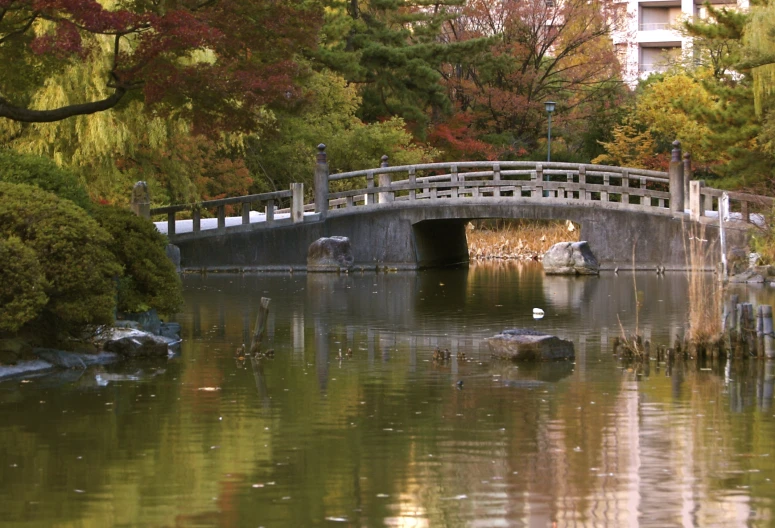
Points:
[(549, 109)]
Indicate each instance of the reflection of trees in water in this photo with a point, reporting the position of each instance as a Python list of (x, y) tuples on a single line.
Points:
[(579, 443)]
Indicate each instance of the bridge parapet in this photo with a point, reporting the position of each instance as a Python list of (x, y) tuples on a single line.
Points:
[(246, 204), (556, 183), (499, 179)]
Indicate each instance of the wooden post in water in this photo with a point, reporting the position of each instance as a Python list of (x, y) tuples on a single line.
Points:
[(767, 331), (321, 182), (747, 329), (676, 173), (260, 327)]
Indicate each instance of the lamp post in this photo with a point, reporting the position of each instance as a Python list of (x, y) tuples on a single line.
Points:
[(549, 109)]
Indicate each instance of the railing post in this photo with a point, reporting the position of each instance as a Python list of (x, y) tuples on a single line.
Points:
[(696, 200), (369, 187), (583, 195), (453, 178), (297, 202), (196, 219), (537, 176), (221, 217), (269, 212), (676, 173), (245, 213), (625, 185), (141, 200), (321, 182), (384, 181), (687, 178), (412, 182), (170, 224), (496, 180)]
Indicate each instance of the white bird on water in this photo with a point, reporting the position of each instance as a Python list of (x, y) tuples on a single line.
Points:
[(538, 313)]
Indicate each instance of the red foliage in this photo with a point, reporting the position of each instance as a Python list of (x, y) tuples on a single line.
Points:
[(245, 50), (457, 139)]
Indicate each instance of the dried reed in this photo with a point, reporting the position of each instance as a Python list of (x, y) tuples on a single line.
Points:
[(705, 291), (517, 239)]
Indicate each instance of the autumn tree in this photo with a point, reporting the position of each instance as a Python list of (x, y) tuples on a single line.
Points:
[(215, 63), (543, 51)]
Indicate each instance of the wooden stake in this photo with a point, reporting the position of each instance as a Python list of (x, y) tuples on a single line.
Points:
[(258, 330)]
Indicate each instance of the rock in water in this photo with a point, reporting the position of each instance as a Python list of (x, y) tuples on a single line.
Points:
[(330, 254), (522, 344), (570, 258), (136, 343)]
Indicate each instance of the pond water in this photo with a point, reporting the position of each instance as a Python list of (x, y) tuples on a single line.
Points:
[(386, 436)]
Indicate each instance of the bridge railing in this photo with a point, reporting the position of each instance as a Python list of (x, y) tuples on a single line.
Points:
[(636, 189), (749, 208), (483, 179), (246, 204)]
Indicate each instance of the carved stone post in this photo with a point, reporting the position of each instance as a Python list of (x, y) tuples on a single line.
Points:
[(141, 200), (321, 183), (687, 177), (384, 181), (676, 173)]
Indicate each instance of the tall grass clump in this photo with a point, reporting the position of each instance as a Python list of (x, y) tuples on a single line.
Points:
[(705, 291)]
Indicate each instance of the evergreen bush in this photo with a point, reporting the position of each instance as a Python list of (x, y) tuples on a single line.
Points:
[(44, 173), (149, 279), (72, 250), (22, 285)]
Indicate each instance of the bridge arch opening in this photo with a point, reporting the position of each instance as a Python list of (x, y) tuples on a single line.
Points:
[(456, 241)]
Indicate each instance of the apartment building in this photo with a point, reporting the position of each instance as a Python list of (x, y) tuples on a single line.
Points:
[(650, 35)]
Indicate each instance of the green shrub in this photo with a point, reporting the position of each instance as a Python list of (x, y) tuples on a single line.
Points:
[(22, 285), (150, 279), (72, 251), (44, 173)]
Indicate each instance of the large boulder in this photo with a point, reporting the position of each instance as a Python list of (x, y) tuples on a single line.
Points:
[(330, 254), (522, 344), (570, 258), (133, 343)]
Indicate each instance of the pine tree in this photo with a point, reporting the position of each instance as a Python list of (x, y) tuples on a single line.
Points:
[(393, 51)]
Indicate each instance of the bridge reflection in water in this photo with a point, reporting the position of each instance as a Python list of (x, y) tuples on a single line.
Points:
[(591, 443)]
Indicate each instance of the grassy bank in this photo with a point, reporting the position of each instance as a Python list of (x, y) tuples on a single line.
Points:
[(517, 239)]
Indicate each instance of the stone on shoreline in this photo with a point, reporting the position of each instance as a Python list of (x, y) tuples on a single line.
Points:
[(521, 344)]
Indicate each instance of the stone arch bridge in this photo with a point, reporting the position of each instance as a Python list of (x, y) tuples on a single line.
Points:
[(415, 216)]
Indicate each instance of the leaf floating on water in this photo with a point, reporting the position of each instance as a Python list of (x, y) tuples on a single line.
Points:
[(383, 495), (209, 389), (258, 485), (337, 519)]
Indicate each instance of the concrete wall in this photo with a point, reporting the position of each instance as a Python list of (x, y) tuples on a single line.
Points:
[(426, 234)]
